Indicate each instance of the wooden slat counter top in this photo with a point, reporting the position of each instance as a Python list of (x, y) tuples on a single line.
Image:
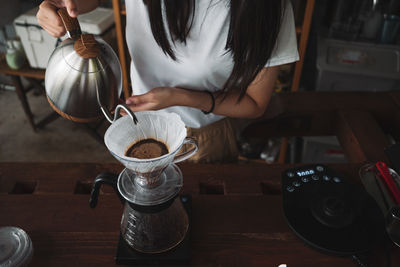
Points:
[(237, 217)]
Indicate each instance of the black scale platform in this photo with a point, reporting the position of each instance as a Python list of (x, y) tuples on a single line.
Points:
[(330, 213), (178, 255)]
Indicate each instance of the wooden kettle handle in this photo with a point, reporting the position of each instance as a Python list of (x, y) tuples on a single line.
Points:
[(71, 24)]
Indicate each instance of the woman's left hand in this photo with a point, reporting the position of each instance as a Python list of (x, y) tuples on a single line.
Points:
[(157, 98)]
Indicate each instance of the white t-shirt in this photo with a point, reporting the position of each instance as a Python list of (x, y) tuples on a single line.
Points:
[(202, 64)]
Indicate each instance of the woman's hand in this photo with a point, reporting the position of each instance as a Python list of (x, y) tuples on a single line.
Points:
[(157, 98), (49, 19)]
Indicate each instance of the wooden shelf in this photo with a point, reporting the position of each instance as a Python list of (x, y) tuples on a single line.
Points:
[(25, 71), (123, 10), (118, 10), (303, 32)]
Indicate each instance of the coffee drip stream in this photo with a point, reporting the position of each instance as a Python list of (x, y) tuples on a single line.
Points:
[(154, 219)]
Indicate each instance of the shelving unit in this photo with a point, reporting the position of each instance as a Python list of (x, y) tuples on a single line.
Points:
[(119, 17), (303, 32)]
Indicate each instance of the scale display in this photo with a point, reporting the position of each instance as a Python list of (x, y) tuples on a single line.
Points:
[(305, 173)]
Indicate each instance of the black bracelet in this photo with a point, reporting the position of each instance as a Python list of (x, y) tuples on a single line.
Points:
[(212, 104)]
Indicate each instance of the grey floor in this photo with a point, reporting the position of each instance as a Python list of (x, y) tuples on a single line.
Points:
[(59, 141)]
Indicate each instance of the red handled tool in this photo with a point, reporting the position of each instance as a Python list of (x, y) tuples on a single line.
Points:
[(388, 179)]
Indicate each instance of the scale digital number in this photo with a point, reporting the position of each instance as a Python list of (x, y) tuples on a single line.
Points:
[(305, 172)]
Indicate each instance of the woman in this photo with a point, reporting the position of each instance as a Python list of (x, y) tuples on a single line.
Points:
[(203, 59)]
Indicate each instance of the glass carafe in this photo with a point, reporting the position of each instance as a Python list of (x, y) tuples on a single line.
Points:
[(148, 229), (157, 229)]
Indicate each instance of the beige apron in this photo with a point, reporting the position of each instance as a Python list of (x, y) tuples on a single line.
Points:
[(216, 142)]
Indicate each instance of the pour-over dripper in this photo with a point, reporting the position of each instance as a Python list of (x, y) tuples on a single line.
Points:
[(159, 125)]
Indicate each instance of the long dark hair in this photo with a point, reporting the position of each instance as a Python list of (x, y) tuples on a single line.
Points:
[(253, 30)]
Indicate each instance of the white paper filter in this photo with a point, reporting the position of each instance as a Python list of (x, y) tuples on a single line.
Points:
[(160, 125)]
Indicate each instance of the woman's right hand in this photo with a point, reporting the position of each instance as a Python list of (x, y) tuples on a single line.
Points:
[(49, 19)]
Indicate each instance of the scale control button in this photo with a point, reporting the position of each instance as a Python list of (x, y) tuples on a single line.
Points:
[(319, 168), (290, 188), (290, 174), (184, 199), (326, 178), (315, 177), (337, 179), (305, 179), (296, 183)]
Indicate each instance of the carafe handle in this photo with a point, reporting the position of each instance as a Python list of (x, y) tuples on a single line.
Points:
[(107, 179), (71, 24), (190, 152)]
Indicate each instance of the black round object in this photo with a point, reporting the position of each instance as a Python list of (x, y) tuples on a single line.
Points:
[(333, 211), (331, 215)]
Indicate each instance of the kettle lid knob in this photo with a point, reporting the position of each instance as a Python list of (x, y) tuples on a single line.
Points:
[(87, 46)]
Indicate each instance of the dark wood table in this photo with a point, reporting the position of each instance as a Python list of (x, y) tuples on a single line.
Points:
[(237, 217)]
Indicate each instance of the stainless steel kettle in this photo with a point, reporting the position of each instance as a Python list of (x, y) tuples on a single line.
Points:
[(83, 76)]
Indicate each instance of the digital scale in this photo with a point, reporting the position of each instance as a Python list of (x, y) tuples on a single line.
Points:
[(329, 213)]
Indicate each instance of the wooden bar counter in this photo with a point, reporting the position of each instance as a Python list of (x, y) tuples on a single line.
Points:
[(237, 216)]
